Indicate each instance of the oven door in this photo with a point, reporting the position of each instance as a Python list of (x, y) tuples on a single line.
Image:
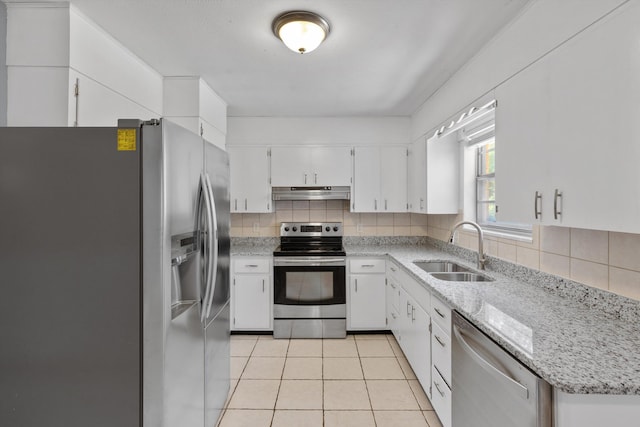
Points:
[(307, 281)]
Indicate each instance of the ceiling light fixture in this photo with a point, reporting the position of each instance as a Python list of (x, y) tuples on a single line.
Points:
[(301, 31)]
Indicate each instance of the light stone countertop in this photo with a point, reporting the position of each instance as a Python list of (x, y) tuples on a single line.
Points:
[(576, 348), (580, 339), (252, 246)]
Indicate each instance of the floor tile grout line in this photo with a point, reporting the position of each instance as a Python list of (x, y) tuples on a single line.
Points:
[(275, 403), (366, 386)]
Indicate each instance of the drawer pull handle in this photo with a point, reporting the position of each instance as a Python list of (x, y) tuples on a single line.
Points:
[(408, 311), (438, 388), (413, 314), (439, 312), (393, 315), (439, 340), (393, 269), (367, 265), (262, 285), (393, 286), (251, 265)]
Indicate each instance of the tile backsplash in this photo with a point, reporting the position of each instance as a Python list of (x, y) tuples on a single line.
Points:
[(602, 259), (355, 224)]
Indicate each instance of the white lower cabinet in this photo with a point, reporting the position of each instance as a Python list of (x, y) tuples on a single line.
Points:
[(393, 303), (421, 324), (416, 341), (441, 398), (441, 352), (367, 294), (251, 294)]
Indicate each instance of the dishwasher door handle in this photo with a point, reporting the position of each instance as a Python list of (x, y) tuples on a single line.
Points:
[(498, 374)]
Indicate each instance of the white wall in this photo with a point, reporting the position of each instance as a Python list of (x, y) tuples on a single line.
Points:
[(3, 64), (318, 130), (541, 27)]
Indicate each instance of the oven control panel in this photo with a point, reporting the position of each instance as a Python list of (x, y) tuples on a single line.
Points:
[(311, 229)]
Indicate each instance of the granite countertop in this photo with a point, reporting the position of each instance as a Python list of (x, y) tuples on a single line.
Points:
[(251, 246), (580, 339), (576, 348)]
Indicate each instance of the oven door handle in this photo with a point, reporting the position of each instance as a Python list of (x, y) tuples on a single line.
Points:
[(310, 262)]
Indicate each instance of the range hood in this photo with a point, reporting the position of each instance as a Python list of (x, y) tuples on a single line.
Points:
[(311, 193)]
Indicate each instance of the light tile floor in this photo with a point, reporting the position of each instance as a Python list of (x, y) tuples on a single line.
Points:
[(361, 381)]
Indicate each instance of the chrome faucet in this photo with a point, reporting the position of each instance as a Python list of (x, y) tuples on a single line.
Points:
[(481, 258)]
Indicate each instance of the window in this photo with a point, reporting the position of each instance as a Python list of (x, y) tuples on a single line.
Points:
[(475, 131), (486, 208), (486, 184)]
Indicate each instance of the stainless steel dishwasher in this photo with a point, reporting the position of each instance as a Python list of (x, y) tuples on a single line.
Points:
[(490, 387)]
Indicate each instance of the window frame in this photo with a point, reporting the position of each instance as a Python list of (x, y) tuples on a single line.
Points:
[(505, 229)]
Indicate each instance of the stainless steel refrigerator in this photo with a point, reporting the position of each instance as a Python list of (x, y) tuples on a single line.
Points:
[(114, 266)]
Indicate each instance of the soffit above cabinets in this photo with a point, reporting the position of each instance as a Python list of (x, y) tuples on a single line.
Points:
[(382, 57)]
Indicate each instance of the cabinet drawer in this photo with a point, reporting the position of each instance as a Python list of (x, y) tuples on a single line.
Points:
[(367, 265), (251, 265), (441, 313), (441, 398), (393, 270), (441, 352), (393, 293)]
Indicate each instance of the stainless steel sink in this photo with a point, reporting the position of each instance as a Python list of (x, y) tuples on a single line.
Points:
[(462, 277), (440, 266)]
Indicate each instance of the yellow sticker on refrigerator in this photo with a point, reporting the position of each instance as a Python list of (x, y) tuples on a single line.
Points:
[(126, 140)]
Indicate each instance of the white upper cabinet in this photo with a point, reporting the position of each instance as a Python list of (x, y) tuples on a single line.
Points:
[(380, 179), (250, 189), (522, 141), (310, 166), (417, 179), (434, 176), (567, 128)]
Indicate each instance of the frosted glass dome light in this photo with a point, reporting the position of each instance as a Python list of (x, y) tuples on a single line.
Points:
[(301, 31)]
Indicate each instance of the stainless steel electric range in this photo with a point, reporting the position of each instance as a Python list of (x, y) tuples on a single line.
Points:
[(310, 281)]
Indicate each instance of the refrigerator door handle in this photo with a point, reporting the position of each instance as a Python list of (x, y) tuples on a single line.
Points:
[(206, 247), (211, 284)]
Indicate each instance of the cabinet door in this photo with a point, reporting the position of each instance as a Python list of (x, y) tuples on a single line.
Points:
[(392, 302), (417, 177), (249, 170), (291, 166), (443, 175), (367, 302), (331, 166), (522, 144), (366, 182), (594, 114), (251, 302), (393, 179), (420, 357)]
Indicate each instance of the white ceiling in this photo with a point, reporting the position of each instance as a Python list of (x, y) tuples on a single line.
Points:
[(382, 57)]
